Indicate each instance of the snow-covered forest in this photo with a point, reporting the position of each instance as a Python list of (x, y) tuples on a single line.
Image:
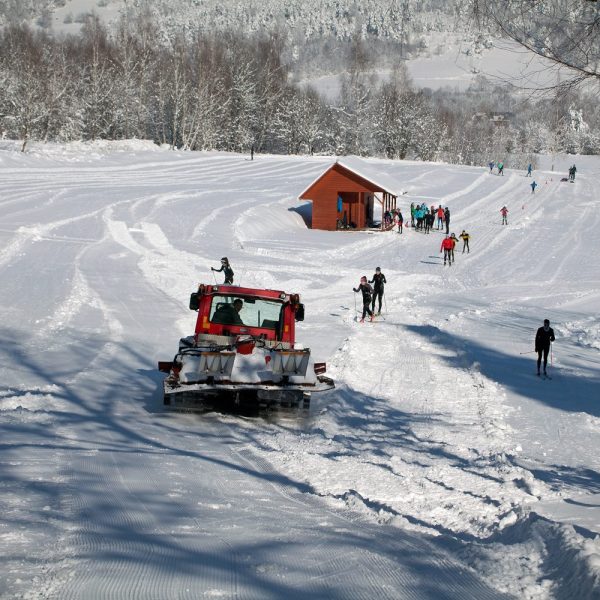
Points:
[(197, 81)]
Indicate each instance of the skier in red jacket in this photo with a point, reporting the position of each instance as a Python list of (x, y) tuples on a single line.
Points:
[(447, 246)]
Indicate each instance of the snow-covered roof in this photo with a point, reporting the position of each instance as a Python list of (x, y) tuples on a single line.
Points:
[(367, 171), (373, 173)]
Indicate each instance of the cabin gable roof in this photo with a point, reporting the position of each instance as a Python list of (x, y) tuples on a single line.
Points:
[(358, 174)]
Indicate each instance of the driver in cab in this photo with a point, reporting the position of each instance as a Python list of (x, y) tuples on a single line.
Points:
[(229, 314)]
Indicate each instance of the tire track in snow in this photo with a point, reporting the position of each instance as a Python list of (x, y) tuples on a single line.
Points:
[(429, 426), (369, 573)]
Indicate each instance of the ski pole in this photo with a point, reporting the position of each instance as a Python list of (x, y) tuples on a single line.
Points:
[(385, 304), (550, 353), (214, 276), (532, 352)]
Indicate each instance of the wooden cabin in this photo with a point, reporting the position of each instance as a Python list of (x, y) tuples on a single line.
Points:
[(345, 197)]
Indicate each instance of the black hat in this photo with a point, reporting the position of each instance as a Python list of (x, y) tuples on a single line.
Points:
[(546, 321), (378, 268), (225, 259)]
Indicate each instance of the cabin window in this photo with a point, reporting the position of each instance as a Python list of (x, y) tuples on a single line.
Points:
[(255, 312)]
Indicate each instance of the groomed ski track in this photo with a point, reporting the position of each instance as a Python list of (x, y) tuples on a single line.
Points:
[(414, 479)]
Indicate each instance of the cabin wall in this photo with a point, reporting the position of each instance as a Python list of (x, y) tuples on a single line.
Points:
[(324, 196)]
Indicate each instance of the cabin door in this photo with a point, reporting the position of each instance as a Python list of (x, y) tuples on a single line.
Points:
[(350, 207)]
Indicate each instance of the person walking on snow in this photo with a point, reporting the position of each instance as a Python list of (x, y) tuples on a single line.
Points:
[(447, 219), (464, 236), (533, 186), (446, 247), (378, 282), (491, 166), (501, 169), (543, 338), (226, 268), (504, 213), (529, 169), (367, 291)]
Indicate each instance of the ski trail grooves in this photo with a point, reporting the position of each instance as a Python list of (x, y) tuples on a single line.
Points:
[(430, 419)]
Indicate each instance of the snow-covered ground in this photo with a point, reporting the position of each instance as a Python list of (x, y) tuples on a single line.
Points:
[(440, 467)]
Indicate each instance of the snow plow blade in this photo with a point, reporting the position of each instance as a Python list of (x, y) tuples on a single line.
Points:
[(209, 396)]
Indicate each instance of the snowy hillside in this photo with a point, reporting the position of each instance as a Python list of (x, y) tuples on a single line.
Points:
[(442, 50), (440, 467)]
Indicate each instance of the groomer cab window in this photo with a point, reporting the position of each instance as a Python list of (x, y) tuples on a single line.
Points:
[(254, 312)]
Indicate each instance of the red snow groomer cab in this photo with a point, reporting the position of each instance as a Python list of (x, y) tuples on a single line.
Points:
[(243, 352)]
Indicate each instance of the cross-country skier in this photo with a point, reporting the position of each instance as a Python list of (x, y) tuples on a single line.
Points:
[(543, 338), (491, 166), (447, 219), (367, 291), (501, 169), (533, 186), (446, 247), (440, 217), (529, 169), (504, 213), (465, 237), (378, 282), (399, 220), (454, 242), (226, 268)]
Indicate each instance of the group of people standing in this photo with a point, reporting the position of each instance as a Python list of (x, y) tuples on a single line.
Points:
[(423, 218), (500, 166)]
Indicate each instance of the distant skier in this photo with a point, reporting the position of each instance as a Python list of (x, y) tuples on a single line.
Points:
[(465, 237), (447, 219), (454, 242), (533, 186), (491, 166), (399, 220), (440, 216), (378, 282), (504, 213), (427, 220), (446, 247), (412, 214), (226, 268), (543, 338), (529, 170), (572, 172), (501, 169), (367, 292)]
